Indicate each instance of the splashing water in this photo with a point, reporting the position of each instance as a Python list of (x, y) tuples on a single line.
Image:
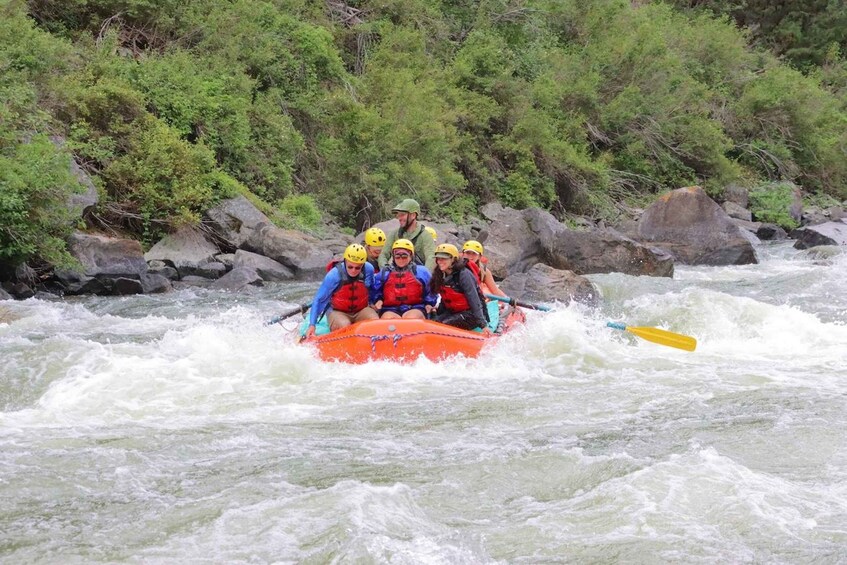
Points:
[(180, 428)]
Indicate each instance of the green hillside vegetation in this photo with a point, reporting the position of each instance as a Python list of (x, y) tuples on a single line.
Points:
[(334, 109)]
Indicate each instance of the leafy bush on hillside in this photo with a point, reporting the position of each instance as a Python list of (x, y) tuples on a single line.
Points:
[(772, 203), (316, 108)]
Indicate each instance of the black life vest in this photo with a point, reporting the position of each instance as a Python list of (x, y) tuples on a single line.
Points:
[(375, 264), (401, 287), (419, 260), (452, 296), (351, 295)]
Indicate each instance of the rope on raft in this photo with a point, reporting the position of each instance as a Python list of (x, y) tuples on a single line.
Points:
[(397, 337)]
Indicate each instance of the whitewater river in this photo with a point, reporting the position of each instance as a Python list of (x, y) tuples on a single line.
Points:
[(179, 428)]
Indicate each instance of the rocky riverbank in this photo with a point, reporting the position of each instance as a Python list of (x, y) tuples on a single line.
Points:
[(536, 257)]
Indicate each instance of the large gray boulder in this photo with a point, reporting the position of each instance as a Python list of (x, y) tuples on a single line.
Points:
[(233, 221), (512, 244), (543, 283), (154, 283), (304, 254), (733, 210), (187, 250), (517, 240), (771, 232), (738, 195), (237, 279), (830, 233), (5, 295), (695, 230), (266, 267), (606, 251), (107, 265)]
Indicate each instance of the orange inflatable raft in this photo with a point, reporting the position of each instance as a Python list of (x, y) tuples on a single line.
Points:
[(403, 339)]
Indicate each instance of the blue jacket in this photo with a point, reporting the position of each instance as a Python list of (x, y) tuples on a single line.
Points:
[(331, 282)]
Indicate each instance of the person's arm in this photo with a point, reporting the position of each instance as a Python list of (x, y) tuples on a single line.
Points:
[(489, 281), (468, 284), (373, 282), (428, 251), (385, 254), (429, 297), (323, 297)]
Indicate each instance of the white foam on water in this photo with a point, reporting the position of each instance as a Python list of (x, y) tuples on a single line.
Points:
[(382, 523), (180, 427)]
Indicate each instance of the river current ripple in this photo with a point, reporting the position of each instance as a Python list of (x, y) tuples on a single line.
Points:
[(180, 428)]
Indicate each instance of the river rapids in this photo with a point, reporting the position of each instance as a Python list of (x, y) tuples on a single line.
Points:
[(180, 428)]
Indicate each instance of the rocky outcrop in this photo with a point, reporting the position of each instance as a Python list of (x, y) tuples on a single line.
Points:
[(109, 266), (738, 195), (518, 239), (265, 267), (830, 233), (543, 283), (153, 283), (233, 221), (237, 279), (606, 251), (770, 232), (733, 210), (511, 244), (694, 230), (187, 250), (304, 254)]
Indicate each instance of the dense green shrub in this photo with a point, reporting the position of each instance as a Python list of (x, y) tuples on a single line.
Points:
[(772, 202), (35, 179), (312, 107), (301, 211), (35, 186)]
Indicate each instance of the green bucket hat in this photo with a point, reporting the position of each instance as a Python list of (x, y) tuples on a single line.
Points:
[(408, 205)]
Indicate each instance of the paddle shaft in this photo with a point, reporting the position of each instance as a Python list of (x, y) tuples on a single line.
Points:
[(287, 314), (513, 302)]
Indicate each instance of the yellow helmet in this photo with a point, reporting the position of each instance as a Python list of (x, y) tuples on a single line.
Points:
[(432, 232), (404, 244), (375, 237), (472, 245), (355, 253), (447, 250)]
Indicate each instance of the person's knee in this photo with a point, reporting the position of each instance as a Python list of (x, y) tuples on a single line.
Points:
[(338, 320), (414, 313), (389, 315), (367, 314)]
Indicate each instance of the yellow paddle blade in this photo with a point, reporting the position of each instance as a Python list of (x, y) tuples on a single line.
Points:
[(664, 337)]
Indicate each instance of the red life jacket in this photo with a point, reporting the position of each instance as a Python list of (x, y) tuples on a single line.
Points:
[(452, 296), (475, 270), (351, 296), (401, 288)]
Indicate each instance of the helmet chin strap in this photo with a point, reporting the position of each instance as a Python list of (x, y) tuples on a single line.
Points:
[(409, 223)]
